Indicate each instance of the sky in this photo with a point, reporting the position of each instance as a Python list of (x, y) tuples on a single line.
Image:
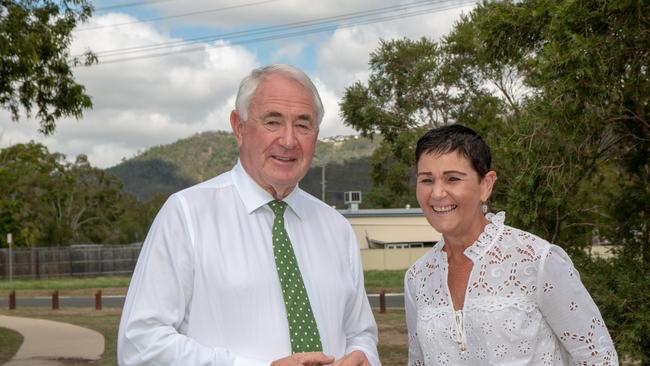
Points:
[(169, 69)]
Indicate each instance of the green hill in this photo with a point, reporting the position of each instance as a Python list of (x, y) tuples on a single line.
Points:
[(168, 168)]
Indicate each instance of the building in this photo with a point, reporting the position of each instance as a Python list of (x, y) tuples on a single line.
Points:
[(391, 239)]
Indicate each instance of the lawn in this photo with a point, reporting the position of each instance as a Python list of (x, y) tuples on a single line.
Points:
[(10, 342), (392, 326), (391, 281), (392, 332)]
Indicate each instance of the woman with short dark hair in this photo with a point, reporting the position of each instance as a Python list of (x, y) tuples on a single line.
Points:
[(488, 293)]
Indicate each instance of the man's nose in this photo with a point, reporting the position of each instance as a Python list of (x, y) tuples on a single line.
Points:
[(288, 138)]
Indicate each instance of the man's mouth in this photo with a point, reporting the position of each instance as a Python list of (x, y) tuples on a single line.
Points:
[(284, 158), (444, 209)]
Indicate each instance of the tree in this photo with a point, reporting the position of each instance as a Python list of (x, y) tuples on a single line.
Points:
[(45, 200), (585, 66), (36, 66), (85, 203), (407, 93), (27, 174), (560, 91)]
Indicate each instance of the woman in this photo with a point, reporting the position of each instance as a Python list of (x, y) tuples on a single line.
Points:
[(487, 293)]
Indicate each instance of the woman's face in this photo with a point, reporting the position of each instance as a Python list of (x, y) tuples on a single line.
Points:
[(450, 194)]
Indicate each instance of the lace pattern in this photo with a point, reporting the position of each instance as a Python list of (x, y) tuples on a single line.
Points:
[(524, 304)]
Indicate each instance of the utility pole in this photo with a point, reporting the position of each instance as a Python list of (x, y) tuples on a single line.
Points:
[(322, 182), (11, 258)]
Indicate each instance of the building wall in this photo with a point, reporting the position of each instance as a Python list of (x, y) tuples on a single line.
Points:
[(390, 259), (392, 229)]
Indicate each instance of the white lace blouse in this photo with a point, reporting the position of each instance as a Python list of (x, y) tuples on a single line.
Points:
[(524, 305)]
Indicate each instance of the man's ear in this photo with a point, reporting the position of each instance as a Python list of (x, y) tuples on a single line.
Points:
[(236, 124), (487, 184)]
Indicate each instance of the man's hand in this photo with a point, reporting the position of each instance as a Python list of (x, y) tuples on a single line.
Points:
[(304, 359), (354, 358)]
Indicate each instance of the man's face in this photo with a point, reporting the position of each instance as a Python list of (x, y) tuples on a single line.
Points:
[(277, 143)]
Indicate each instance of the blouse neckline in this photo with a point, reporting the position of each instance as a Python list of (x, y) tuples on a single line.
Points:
[(485, 240)]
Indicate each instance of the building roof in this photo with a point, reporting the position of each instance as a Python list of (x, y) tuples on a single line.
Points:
[(382, 212)]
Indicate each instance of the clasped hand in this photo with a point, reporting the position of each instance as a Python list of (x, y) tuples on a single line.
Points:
[(354, 358)]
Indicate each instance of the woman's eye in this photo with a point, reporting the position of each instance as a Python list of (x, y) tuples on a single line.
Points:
[(453, 179)]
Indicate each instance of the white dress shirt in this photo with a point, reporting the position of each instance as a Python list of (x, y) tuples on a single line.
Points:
[(205, 290), (524, 305)]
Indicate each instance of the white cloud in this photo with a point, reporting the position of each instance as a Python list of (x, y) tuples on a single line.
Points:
[(151, 101), (141, 103)]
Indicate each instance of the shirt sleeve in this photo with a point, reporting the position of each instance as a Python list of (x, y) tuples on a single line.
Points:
[(360, 326), (571, 312), (153, 317), (415, 357)]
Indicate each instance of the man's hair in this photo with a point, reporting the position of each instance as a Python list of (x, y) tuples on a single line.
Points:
[(456, 138), (249, 85)]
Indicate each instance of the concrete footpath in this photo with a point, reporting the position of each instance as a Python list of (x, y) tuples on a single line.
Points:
[(47, 341)]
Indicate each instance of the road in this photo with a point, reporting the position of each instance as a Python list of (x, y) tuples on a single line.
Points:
[(392, 301)]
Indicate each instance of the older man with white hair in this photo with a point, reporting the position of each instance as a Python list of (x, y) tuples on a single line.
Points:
[(246, 268)]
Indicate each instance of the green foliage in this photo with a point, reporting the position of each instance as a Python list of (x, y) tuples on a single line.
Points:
[(621, 288), (560, 91), (36, 67), (48, 201)]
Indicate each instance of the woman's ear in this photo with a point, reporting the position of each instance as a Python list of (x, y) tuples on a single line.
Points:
[(487, 183)]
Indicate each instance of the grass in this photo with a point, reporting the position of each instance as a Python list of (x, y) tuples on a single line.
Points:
[(391, 281), (66, 286), (10, 342), (392, 332)]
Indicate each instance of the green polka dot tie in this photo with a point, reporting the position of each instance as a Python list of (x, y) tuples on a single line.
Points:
[(303, 331)]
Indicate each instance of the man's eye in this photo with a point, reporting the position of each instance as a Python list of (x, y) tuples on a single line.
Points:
[(304, 127), (272, 124)]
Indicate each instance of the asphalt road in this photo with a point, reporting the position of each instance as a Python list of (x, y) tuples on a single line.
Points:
[(392, 301)]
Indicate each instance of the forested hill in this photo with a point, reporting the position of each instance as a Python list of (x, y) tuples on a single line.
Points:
[(168, 168)]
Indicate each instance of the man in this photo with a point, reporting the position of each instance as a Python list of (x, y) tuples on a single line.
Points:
[(211, 286)]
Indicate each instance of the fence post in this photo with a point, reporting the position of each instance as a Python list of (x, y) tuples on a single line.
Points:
[(55, 300), (12, 300), (382, 301), (98, 300)]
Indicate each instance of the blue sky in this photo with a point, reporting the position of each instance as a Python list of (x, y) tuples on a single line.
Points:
[(149, 101)]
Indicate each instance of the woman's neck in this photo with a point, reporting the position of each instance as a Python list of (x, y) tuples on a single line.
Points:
[(455, 245)]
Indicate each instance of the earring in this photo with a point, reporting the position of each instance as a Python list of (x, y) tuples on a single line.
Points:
[(484, 208)]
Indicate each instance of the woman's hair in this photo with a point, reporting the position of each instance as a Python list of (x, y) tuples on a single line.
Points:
[(458, 138), (249, 85)]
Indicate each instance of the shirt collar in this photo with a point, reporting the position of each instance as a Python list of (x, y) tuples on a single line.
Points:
[(254, 196), (485, 241)]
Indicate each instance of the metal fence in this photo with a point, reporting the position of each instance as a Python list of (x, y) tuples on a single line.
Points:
[(75, 260)]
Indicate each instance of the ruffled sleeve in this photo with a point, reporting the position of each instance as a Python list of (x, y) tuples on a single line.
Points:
[(571, 312)]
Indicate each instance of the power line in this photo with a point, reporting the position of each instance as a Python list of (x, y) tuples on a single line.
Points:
[(279, 32), (131, 5), (269, 29), (83, 29)]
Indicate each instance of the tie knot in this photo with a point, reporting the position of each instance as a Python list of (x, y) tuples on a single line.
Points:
[(278, 207)]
